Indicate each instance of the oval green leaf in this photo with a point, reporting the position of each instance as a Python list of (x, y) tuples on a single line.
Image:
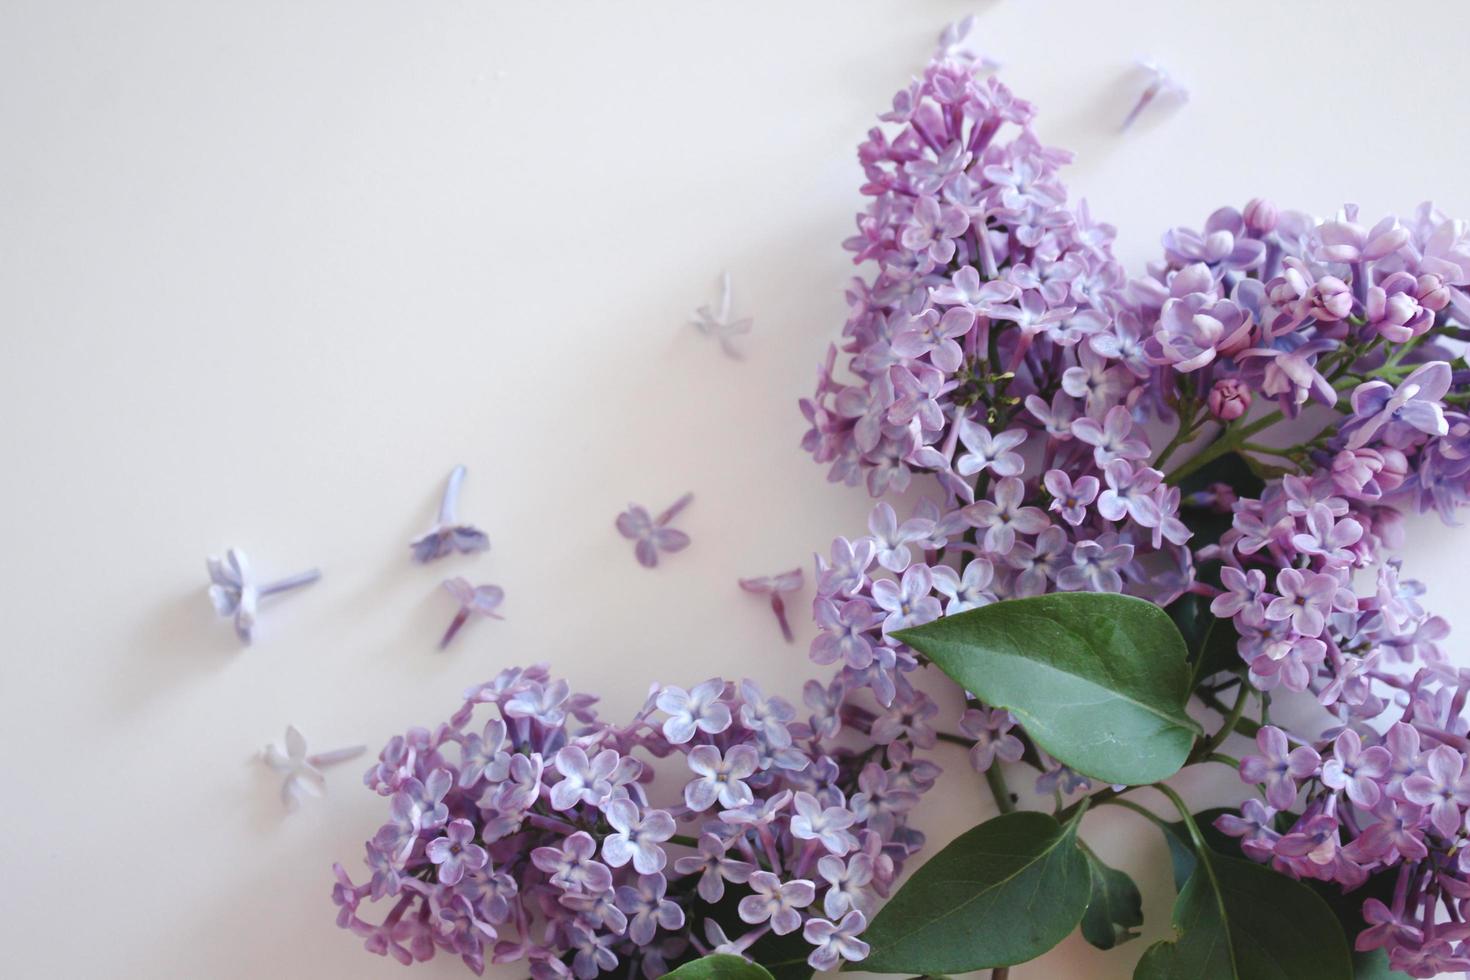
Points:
[(1116, 907), (1003, 893), (1098, 680), (720, 966), (1241, 921)]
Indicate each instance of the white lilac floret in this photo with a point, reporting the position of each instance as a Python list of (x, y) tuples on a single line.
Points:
[(302, 770), (543, 835), (236, 595)]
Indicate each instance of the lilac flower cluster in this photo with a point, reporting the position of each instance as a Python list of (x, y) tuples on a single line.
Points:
[(541, 835), (1063, 409), (995, 349)]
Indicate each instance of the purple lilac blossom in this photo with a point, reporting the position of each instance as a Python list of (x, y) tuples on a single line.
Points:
[(652, 535), (1047, 454), (544, 836)]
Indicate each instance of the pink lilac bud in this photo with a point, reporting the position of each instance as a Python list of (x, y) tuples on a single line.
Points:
[(1432, 292), (1229, 399), (1354, 469), (1330, 299), (1395, 469), (1261, 216)]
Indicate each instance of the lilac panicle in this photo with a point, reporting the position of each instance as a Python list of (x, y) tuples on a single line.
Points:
[(543, 835), (1060, 415)]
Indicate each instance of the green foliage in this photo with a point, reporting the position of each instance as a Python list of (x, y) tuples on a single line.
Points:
[(1099, 681), (720, 966), (1238, 920), (1002, 893), (1115, 908)]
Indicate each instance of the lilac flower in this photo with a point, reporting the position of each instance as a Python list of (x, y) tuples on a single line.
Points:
[(1130, 493), (1109, 438), (844, 631), (715, 321), (713, 868), (1194, 329), (235, 595), (483, 756), (908, 601), (1395, 835), (424, 799), (446, 536), (1254, 827), (1070, 499), (848, 880), (1243, 590), (653, 534), (847, 572), (968, 591), (720, 777), (1356, 769), (1305, 600), (1160, 84), (1413, 407), (774, 586), (545, 703), (965, 290), (637, 837), (828, 824), (1003, 517), (572, 866), (647, 908), (995, 454), (593, 953), (303, 771), (776, 901), (1095, 567), (934, 335), (1327, 536), (892, 539), (455, 852), (932, 229), (1278, 768), (585, 780), (1445, 789), (480, 600), (835, 942), (991, 732), (698, 709)]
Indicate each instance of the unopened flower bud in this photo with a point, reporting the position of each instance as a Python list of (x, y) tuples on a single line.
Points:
[(1261, 216), (1395, 469), (1432, 292), (1229, 399), (1330, 299)]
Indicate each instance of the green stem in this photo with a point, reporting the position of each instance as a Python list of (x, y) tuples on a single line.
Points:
[(954, 739), (1237, 711), (996, 780), (1228, 443), (684, 839), (1142, 811), (1244, 725), (1191, 826)]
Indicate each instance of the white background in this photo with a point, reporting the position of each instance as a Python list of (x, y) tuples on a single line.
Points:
[(268, 269)]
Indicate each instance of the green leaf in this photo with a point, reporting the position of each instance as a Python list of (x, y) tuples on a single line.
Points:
[(720, 966), (1098, 680), (1241, 921), (1002, 893), (1115, 907), (1347, 907)]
